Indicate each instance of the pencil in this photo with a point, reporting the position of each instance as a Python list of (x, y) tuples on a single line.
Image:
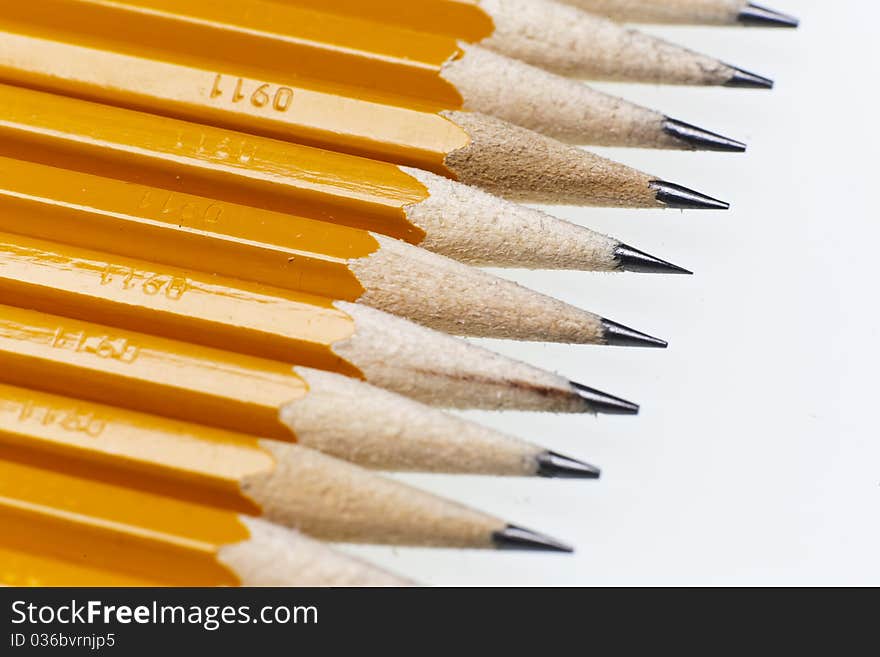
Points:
[(396, 278), (25, 567), (406, 114), (550, 35), (276, 175), (198, 462), (167, 541), (338, 415), (285, 484), (286, 250), (687, 12), (277, 324)]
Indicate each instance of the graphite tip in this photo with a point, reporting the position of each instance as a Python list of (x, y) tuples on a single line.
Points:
[(517, 538), (745, 80), (757, 16), (557, 466), (600, 402), (699, 139), (630, 259), (682, 198), (618, 335)]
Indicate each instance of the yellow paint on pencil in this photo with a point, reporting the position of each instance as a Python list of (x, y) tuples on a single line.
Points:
[(252, 99), (177, 303), (22, 566), (94, 524), (208, 161), (146, 373), (463, 19), (317, 45), (136, 450), (164, 226)]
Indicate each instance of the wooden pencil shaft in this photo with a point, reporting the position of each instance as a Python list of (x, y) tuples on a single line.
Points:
[(255, 99), (23, 567), (177, 303), (208, 161), (251, 100), (175, 228), (262, 36), (175, 540), (146, 373), (464, 19), (177, 459), (80, 523)]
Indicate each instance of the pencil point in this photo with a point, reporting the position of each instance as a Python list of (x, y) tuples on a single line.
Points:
[(618, 335), (682, 198), (604, 403), (518, 538), (745, 80), (630, 259), (700, 139), (557, 466), (757, 16)]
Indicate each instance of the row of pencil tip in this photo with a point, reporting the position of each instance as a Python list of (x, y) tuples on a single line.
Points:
[(241, 244)]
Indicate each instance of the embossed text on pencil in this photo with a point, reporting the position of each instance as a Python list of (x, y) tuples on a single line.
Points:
[(180, 208), (149, 283), (70, 419), (254, 93), (101, 345), (221, 148)]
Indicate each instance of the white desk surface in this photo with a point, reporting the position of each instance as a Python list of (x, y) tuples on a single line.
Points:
[(756, 459)]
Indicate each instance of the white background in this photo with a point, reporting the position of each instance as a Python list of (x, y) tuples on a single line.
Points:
[(756, 459)]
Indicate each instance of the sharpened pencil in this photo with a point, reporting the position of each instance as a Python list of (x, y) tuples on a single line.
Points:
[(170, 541), (408, 113), (398, 278), (688, 12), (197, 462), (338, 415), (282, 483), (289, 327), (286, 250), (280, 176), (550, 35)]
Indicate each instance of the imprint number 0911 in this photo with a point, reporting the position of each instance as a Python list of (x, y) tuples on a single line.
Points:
[(265, 94)]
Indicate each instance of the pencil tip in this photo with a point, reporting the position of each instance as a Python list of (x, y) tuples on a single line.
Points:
[(745, 80), (558, 466), (604, 403), (756, 16), (518, 538), (700, 139), (618, 335), (682, 198), (630, 259)]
